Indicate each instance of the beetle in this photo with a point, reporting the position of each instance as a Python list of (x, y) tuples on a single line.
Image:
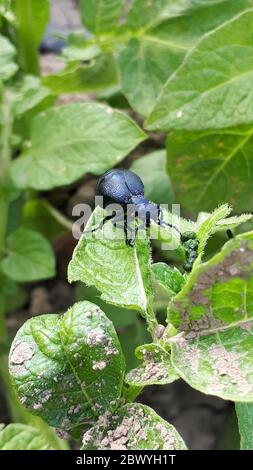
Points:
[(125, 188)]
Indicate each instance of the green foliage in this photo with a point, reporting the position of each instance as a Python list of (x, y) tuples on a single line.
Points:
[(78, 353), (17, 436), (70, 140), (186, 66), (29, 257)]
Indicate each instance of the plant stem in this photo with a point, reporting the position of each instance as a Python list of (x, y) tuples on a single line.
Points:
[(26, 34)]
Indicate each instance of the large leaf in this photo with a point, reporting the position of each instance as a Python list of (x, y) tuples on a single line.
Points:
[(68, 141), (213, 87), (164, 32), (7, 64), (244, 413), (134, 427), (210, 167), (121, 273), (213, 352), (29, 257), (100, 16), (68, 369), (17, 436), (157, 184)]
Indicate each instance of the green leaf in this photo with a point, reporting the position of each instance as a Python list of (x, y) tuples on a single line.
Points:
[(121, 273), (205, 93), (68, 369), (133, 427), (165, 31), (224, 161), (156, 368), (71, 140), (76, 78), (213, 312), (17, 436), (29, 257), (143, 14), (145, 65), (161, 193), (100, 16), (244, 413), (28, 94), (7, 64), (169, 278)]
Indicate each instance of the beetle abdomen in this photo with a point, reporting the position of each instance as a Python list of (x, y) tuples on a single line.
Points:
[(120, 185)]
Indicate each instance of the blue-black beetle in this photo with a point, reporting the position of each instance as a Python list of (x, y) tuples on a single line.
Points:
[(124, 187)]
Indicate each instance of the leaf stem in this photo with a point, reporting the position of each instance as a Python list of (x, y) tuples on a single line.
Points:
[(26, 43)]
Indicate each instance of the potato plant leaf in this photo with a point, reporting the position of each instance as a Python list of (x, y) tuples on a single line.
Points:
[(100, 16), (205, 93), (156, 368), (133, 427), (224, 161), (29, 257), (73, 139), (18, 436), (213, 312), (163, 32), (122, 274), (170, 278), (68, 369)]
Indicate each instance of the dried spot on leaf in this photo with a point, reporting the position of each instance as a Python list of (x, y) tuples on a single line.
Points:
[(226, 364), (19, 354), (135, 426), (96, 336), (195, 310), (156, 367)]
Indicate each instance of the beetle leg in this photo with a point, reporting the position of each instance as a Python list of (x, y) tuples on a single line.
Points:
[(161, 222), (101, 224)]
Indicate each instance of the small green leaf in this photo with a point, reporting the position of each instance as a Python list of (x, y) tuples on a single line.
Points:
[(7, 64), (68, 369), (213, 312), (29, 257), (157, 184), (121, 273), (100, 16), (209, 167), (17, 436), (244, 413), (71, 140), (205, 93), (134, 427), (156, 368), (170, 278)]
